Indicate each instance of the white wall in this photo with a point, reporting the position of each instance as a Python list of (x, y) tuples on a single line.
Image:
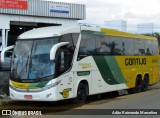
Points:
[(5, 20)]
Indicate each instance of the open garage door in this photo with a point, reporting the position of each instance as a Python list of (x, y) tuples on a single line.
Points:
[(17, 28)]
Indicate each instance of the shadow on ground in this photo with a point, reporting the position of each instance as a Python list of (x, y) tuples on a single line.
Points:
[(60, 106)]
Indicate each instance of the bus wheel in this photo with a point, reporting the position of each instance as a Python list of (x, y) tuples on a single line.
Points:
[(145, 83), (138, 86), (81, 94)]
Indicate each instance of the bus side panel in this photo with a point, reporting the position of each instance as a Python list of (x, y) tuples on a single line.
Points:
[(83, 71), (65, 88), (127, 73), (131, 66), (130, 72), (97, 83), (111, 73), (155, 68), (94, 70), (148, 70), (155, 75)]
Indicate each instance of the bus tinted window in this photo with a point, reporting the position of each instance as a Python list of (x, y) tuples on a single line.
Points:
[(139, 47), (116, 45), (75, 37), (102, 45), (128, 46), (148, 47), (67, 38), (72, 39), (87, 46), (154, 47)]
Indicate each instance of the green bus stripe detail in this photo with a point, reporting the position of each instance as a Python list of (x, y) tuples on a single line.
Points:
[(105, 70), (39, 85), (33, 85), (115, 69), (83, 73), (42, 84)]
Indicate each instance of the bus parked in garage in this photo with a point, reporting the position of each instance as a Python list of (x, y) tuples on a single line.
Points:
[(57, 63)]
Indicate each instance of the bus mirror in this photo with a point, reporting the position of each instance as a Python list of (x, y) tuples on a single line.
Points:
[(3, 52), (55, 48)]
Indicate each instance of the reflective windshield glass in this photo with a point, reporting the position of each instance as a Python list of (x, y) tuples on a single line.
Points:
[(31, 59), (20, 59), (41, 65)]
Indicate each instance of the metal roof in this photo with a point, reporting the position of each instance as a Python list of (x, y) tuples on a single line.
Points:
[(43, 9)]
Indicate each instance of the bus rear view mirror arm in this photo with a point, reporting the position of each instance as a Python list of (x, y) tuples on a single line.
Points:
[(4, 50), (55, 48)]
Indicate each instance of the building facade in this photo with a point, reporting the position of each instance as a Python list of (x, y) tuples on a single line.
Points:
[(18, 16)]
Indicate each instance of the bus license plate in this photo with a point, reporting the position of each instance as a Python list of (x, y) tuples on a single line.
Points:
[(28, 96)]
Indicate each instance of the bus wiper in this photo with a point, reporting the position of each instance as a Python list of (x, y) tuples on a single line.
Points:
[(23, 68), (27, 62), (26, 66)]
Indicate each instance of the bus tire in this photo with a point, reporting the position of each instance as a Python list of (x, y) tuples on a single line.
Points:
[(81, 94), (145, 83), (138, 86)]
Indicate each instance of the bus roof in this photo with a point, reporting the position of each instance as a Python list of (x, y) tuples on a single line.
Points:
[(60, 30), (113, 32)]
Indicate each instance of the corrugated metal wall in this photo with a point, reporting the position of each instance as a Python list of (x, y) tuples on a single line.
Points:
[(41, 8)]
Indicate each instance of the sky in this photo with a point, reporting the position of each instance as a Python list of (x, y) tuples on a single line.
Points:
[(132, 11)]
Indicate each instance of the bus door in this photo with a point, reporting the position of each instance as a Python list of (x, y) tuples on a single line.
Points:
[(65, 88)]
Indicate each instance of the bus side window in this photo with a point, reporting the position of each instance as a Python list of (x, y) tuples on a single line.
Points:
[(87, 46), (154, 47), (102, 45), (116, 45), (62, 61), (139, 47), (128, 46), (72, 39), (148, 47)]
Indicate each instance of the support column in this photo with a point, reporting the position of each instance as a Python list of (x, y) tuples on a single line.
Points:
[(6, 42), (3, 39), (0, 40)]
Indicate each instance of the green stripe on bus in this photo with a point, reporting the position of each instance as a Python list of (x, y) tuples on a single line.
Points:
[(39, 84), (105, 70), (115, 69), (83, 73)]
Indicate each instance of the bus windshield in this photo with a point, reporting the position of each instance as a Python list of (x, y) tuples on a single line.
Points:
[(31, 59)]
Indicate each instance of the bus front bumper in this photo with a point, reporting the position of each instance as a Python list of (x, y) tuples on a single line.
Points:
[(46, 95)]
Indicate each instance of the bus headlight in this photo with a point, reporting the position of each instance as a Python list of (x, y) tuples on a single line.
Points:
[(51, 85)]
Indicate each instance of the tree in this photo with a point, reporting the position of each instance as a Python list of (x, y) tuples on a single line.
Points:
[(156, 34)]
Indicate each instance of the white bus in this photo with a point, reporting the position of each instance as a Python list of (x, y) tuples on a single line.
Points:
[(57, 63)]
